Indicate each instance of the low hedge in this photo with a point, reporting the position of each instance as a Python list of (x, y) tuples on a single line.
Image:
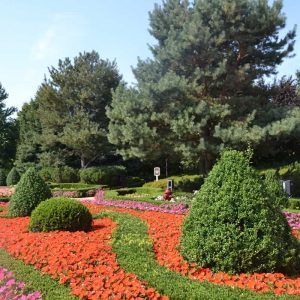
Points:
[(74, 186), (135, 254), (184, 183), (107, 175), (59, 174), (294, 203), (74, 193), (34, 279)]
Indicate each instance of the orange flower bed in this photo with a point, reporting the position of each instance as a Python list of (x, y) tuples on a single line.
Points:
[(85, 261), (164, 230)]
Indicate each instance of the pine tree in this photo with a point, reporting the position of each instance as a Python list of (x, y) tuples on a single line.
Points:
[(202, 83), (8, 131)]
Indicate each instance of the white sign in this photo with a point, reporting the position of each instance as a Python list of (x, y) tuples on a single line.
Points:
[(157, 172)]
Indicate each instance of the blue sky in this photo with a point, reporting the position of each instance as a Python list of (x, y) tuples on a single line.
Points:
[(35, 34)]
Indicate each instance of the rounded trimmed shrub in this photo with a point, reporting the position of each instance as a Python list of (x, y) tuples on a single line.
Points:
[(107, 175), (2, 178), (234, 227), (30, 191), (60, 214), (13, 177)]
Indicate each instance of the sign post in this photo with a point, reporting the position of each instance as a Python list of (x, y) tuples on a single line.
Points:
[(157, 172)]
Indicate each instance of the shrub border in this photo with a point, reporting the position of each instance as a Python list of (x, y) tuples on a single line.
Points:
[(134, 252), (34, 279)]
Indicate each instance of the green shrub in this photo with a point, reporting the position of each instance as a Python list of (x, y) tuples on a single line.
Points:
[(107, 175), (59, 174), (275, 190), (184, 183), (132, 181), (60, 214), (294, 203), (46, 174), (30, 191), (122, 192), (2, 178), (74, 186), (13, 177), (234, 227)]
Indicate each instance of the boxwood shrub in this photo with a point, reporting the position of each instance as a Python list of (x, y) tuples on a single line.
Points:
[(63, 174), (30, 191), (184, 183), (233, 225), (60, 214), (294, 203), (13, 177), (106, 175), (275, 190)]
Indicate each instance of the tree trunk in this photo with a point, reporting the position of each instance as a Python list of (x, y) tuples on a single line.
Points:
[(82, 161)]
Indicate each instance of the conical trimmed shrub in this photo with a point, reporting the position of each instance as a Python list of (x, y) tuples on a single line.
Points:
[(275, 190), (2, 178), (30, 191), (234, 227), (13, 177)]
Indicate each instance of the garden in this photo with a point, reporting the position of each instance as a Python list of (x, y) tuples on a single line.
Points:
[(231, 241), (81, 216)]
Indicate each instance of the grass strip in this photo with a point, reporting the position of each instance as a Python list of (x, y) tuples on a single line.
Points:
[(134, 252), (34, 279)]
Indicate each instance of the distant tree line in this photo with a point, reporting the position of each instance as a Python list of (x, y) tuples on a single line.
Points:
[(205, 88)]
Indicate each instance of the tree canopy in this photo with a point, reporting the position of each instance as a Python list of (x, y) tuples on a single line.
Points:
[(204, 87), (8, 131), (70, 110)]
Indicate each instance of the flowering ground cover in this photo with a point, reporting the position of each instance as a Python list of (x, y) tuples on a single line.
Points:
[(293, 219), (133, 266), (6, 191), (10, 288), (172, 208), (82, 260)]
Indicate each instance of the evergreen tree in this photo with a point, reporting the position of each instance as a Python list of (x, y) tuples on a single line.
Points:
[(203, 81), (28, 147), (8, 131), (70, 124)]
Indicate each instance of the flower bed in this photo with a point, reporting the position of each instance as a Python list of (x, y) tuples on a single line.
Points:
[(164, 230), (85, 261), (10, 288), (293, 219), (6, 191), (172, 208)]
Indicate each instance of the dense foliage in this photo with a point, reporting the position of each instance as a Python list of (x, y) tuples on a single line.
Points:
[(13, 177), (234, 226), (2, 177), (275, 191), (63, 174), (204, 87), (30, 191), (66, 124), (8, 131), (60, 214), (106, 175)]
